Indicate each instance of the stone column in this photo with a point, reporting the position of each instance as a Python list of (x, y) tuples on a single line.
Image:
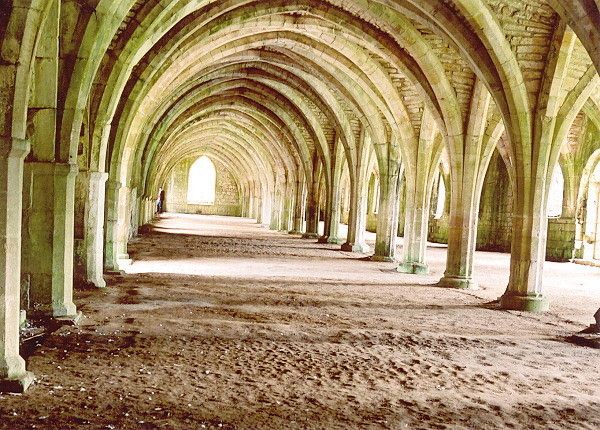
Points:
[(89, 241), (335, 215), (352, 214), (312, 210), (258, 201), (359, 184), (48, 246), (133, 216), (298, 209), (360, 244), (111, 209), (401, 206), (467, 180), (146, 204), (418, 197), (387, 218), (530, 227), (150, 204), (267, 204), (334, 222), (13, 376), (288, 207), (245, 202), (251, 205), (332, 225), (276, 208), (117, 225), (357, 222), (94, 230), (255, 211), (141, 215), (250, 210), (462, 240)]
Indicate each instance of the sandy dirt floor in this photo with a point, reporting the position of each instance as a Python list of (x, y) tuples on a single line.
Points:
[(219, 323)]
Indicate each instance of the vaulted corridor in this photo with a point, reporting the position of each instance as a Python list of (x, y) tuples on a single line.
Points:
[(219, 323)]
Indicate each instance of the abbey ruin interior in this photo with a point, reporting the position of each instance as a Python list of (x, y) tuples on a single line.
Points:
[(299, 214)]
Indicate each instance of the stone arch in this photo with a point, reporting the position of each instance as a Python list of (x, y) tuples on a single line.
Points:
[(202, 181)]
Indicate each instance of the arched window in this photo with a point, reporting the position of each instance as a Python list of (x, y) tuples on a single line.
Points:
[(555, 195), (202, 182), (441, 198)]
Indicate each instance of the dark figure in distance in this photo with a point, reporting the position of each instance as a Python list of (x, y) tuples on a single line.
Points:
[(160, 200)]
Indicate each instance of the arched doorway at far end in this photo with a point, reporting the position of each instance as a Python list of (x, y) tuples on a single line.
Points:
[(202, 182)]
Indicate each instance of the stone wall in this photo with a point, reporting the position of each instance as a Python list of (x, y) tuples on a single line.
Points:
[(438, 229), (495, 211), (227, 201), (561, 239)]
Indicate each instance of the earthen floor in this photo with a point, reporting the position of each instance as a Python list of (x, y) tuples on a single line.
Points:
[(219, 323)]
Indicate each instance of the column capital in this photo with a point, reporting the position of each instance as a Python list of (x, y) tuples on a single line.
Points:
[(20, 148), (67, 170), (15, 148), (114, 185)]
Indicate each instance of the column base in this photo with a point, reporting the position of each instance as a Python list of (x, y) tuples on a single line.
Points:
[(90, 284), (310, 236), (123, 261), (17, 385), (294, 232), (70, 320), (382, 259), (57, 318), (334, 241), (458, 282), (98, 283), (65, 310), (526, 303), (110, 272), (413, 268), (323, 240), (361, 248)]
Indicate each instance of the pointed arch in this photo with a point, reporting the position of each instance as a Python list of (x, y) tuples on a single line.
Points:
[(202, 182)]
